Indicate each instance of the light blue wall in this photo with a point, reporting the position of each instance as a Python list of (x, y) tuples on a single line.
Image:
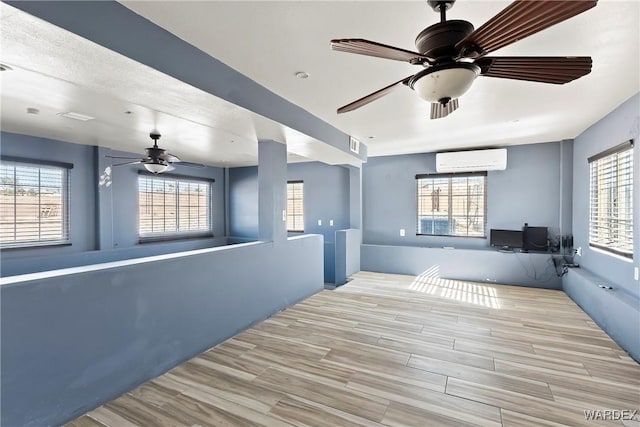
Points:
[(355, 197), (566, 187), (617, 127), (87, 215), (326, 197), (74, 341), (616, 311), (478, 265), (527, 191), (243, 202), (272, 191)]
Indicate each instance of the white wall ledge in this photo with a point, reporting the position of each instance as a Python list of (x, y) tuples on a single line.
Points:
[(22, 278)]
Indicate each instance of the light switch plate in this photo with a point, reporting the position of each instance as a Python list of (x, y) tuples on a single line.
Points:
[(402, 232), (284, 215), (319, 222), (636, 273), (330, 223)]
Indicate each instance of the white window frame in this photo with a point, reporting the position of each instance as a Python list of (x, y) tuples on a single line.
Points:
[(40, 165), (424, 201), (611, 219), (176, 233), (292, 215)]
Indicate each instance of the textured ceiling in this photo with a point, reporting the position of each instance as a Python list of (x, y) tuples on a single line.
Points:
[(56, 71), (270, 41)]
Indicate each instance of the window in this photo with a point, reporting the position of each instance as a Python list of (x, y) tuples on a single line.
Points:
[(33, 204), (173, 207), (451, 204), (295, 206), (611, 200)]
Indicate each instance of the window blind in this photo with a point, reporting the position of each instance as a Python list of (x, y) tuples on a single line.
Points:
[(611, 201), (34, 202), (295, 206), (172, 206), (451, 204)]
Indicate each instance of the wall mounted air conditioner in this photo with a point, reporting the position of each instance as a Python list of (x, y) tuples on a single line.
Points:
[(471, 161)]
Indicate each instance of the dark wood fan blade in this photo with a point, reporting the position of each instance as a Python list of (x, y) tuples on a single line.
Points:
[(121, 157), (128, 163), (195, 165), (372, 96), (545, 69), (439, 111), (169, 157), (379, 50), (519, 20)]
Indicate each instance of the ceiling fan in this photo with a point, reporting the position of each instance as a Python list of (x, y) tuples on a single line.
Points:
[(453, 54), (158, 160)]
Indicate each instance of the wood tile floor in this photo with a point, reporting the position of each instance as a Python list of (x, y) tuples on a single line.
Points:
[(398, 351)]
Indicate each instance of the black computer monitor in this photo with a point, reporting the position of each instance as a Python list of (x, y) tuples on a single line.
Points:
[(535, 238), (506, 239)]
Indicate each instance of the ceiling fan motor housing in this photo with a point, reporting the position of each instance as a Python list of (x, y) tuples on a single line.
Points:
[(439, 40), (155, 152)]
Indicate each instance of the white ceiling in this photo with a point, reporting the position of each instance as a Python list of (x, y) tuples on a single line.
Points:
[(270, 41), (56, 71)]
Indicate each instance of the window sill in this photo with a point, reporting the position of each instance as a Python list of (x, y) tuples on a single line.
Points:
[(174, 238), (35, 245), (611, 253), (451, 235)]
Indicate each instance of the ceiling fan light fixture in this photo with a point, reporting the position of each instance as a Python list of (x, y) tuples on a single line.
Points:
[(156, 167), (445, 81)]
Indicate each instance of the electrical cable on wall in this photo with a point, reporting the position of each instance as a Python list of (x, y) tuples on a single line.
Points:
[(542, 277), (567, 262)]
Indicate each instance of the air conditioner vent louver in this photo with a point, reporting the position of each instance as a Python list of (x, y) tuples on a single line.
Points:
[(354, 145), (471, 161)]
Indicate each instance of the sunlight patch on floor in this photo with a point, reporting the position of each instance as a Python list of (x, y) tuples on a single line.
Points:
[(429, 282)]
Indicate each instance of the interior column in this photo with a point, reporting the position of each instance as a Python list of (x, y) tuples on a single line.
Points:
[(272, 191)]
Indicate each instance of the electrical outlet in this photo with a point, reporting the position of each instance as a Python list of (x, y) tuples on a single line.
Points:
[(636, 273), (402, 232), (330, 223), (579, 251), (320, 222)]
